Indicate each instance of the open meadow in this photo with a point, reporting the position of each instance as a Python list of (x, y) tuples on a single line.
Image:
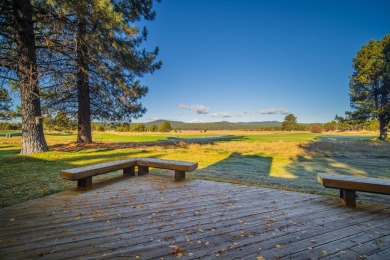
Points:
[(280, 160)]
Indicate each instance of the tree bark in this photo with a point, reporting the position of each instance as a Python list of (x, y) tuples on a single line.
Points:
[(84, 134), (383, 129), (33, 139)]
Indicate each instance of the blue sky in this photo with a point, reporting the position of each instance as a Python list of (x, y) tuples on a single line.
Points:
[(243, 61)]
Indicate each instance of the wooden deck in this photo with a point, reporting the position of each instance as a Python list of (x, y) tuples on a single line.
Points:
[(149, 217)]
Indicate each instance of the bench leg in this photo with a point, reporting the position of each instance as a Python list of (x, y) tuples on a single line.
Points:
[(142, 170), (84, 183), (348, 197), (180, 175), (129, 171)]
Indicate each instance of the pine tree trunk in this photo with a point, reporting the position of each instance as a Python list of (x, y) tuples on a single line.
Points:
[(84, 111), (382, 129), (33, 139)]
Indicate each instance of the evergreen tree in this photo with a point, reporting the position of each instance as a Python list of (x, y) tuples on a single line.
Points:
[(48, 122), (104, 62), (370, 84), (289, 123), (18, 66), (5, 104), (331, 126)]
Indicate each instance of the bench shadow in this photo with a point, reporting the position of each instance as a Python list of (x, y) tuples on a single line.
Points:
[(103, 181)]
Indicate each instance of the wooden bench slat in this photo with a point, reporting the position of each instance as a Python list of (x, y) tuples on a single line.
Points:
[(97, 169), (167, 164)]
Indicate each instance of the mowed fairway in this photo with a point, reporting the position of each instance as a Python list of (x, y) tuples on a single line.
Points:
[(278, 160)]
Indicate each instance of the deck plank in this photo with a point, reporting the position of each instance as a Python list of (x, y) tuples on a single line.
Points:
[(152, 217)]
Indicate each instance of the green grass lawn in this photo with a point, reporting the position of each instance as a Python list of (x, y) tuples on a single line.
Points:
[(288, 161)]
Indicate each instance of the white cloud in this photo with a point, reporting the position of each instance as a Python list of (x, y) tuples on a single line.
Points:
[(153, 119), (200, 109), (203, 110), (196, 121), (226, 114), (184, 106), (273, 111)]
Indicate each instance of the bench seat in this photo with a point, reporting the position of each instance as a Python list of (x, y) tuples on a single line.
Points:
[(83, 175), (348, 186), (97, 169), (167, 164)]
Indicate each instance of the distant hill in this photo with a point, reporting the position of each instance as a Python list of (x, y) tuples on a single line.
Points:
[(223, 125)]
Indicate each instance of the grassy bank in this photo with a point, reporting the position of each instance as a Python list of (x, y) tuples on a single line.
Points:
[(278, 160)]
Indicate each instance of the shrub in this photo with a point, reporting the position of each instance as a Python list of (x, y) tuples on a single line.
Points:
[(100, 128), (138, 128), (153, 128), (124, 127), (316, 129)]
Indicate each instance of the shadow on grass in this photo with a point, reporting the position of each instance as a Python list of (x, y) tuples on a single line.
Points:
[(208, 140), (4, 152), (344, 155), (256, 170), (355, 156), (29, 177), (237, 168), (59, 134), (170, 142)]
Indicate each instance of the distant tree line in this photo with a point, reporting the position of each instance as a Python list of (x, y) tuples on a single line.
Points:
[(62, 122), (339, 124), (141, 127), (10, 126)]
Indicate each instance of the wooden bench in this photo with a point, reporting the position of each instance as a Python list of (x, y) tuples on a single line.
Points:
[(348, 186), (83, 175)]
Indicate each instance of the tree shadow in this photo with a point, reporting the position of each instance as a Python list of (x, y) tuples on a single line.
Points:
[(256, 170), (5, 152), (237, 168), (60, 134), (170, 142), (355, 156), (344, 155), (206, 140)]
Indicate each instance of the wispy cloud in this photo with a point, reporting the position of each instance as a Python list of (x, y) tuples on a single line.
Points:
[(184, 106), (225, 114), (196, 121), (203, 110), (273, 111), (200, 109)]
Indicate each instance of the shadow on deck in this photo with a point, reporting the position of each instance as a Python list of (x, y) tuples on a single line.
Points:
[(150, 217)]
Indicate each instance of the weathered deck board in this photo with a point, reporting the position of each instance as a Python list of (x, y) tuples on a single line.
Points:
[(153, 217)]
